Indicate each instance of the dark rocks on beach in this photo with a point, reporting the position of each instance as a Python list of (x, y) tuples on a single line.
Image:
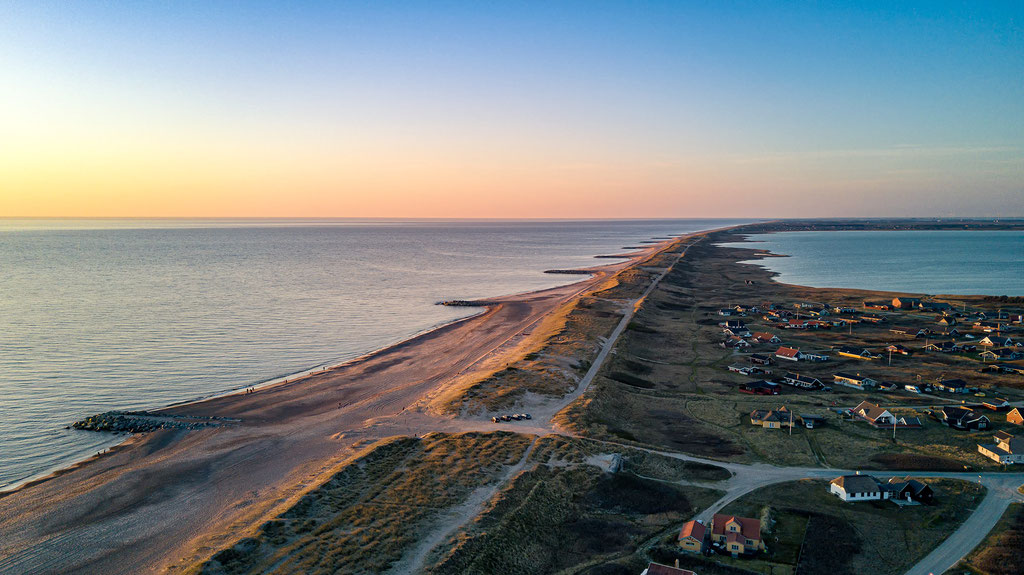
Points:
[(465, 303), (570, 272), (141, 422)]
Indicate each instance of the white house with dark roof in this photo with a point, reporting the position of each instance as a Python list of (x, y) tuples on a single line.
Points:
[(858, 488), (854, 380)]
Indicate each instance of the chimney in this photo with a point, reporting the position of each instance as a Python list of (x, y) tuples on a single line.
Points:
[(677, 564)]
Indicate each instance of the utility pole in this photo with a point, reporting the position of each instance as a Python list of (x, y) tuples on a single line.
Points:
[(890, 357)]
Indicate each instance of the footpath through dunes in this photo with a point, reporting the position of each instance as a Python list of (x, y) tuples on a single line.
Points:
[(171, 497)]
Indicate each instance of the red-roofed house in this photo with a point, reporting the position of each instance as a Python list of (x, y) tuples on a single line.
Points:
[(740, 535), (790, 353), (691, 537)]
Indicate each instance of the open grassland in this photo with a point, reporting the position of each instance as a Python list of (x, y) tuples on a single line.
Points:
[(811, 532), (563, 516), (999, 553), (367, 516), (667, 384)]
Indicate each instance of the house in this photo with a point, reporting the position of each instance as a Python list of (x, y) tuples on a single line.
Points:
[(996, 404), (813, 356), (996, 341), (959, 417), (811, 421), (760, 387), (935, 306), (947, 321), (788, 353), (952, 385), (905, 302), (898, 348), (871, 318), (803, 381), (765, 337), (910, 490), (874, 414), (1003, 353), (737, 342), (691, 537), (1015, 416), (859, 488), (1008, 368), (733, 324), (944, 347), (854, 380), (659, 569), (879, 305), (772, 419), (726, 312), (856, 352), (843, 309), (839, 323), (739, 535), (795, 324), (888, 386), (761, 359), (1008, 448)]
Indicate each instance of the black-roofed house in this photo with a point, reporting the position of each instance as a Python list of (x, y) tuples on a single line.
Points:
[(952, 385), (910, 489), (965, 418)]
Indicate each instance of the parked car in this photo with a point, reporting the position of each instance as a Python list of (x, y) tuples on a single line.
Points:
[(527, 416), (495, 419)]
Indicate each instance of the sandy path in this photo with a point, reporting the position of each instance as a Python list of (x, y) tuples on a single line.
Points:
[(455, 518), (168, 498)]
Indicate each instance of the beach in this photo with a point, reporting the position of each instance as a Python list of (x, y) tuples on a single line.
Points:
[(172, 497)]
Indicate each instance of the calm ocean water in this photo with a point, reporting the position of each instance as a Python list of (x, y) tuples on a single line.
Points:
[(135, 314), (932, 262)]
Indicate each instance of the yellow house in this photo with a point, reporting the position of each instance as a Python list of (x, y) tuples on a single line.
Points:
[(740, 535), (691, 537)]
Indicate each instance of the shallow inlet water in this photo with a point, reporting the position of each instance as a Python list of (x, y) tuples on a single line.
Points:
[(931, 262), (135, 314)]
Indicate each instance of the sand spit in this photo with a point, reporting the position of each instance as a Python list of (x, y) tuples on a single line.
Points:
[(171, 497)]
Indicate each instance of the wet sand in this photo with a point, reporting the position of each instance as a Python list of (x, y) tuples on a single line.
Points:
[(167, 499)]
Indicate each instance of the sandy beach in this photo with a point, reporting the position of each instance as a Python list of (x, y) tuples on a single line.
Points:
[(164, 500)]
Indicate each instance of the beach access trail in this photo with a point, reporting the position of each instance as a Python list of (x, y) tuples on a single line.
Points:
[(165, 499)]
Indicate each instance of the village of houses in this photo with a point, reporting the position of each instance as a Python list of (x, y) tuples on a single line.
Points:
[(872, 354), (982, 344)]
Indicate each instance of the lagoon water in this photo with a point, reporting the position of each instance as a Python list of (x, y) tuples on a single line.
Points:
[(931, 262), (136, 314)]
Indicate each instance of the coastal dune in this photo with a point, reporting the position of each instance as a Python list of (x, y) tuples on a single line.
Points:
[(164, 500)]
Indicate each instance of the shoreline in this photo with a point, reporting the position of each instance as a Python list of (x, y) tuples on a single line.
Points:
[(591, 273), (483, 305), (292, 437)]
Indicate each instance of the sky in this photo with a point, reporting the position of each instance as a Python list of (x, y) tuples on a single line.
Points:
[(511, 109)]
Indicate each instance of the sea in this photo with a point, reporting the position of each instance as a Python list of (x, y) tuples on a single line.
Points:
[(98, 315), (955, 262)]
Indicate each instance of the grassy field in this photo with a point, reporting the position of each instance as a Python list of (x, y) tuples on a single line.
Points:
[(809, 531), (555, 518), (365, 517), (369, 515), (667, 384), (999, 553)]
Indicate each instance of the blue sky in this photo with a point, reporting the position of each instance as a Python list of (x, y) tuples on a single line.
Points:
[(528, 109)]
